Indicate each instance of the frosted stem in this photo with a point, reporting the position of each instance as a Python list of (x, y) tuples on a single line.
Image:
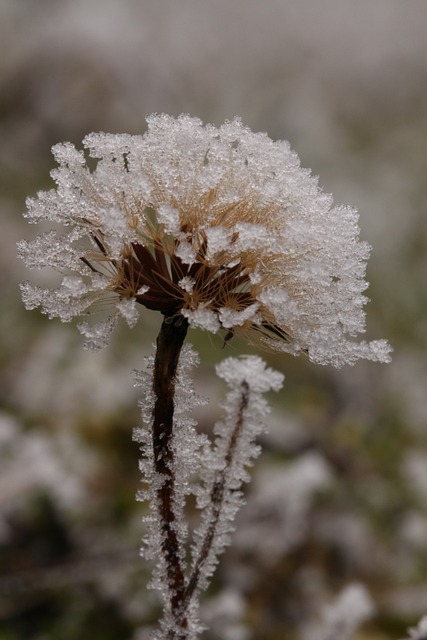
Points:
[(218, 493), (169, 344)]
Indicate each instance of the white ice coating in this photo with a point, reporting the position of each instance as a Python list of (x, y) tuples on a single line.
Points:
[(253, 371), (199, 465), (218, 239), (169, 217), (128, 311), (233, 451), (189, 448), (186, 252), (230, 318), (97, 336), (187, 284), (202, 318)]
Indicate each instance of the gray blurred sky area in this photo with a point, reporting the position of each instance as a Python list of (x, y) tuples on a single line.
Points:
[(287, 67)]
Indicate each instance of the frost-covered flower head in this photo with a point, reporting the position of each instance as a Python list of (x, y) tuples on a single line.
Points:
[(220, 226)]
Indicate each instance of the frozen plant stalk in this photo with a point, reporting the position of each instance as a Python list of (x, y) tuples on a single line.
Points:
[(218, 229), (173, 454)]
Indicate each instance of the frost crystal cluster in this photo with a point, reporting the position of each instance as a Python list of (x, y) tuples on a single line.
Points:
[(218, 225), (211, 471)]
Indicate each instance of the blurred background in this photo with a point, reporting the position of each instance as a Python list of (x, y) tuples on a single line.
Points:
[(339, 495)]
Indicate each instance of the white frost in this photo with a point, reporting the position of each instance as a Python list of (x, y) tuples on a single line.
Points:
[(225, 199), (128, 311), (202, 318), (230, 318), (97, 336), (253, 371)]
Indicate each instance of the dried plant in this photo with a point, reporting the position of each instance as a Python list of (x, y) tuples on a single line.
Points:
[(218, 229)]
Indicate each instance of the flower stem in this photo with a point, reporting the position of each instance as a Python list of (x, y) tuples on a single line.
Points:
[(169, 344)]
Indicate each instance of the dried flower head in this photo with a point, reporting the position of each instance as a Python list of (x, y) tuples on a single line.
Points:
[(217, 225)]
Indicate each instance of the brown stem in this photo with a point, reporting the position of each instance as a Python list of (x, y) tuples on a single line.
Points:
[(217, 495), (169, 344)]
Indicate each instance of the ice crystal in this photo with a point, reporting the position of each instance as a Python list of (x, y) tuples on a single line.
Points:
[(234, 449), (219, 225), (212, 471)]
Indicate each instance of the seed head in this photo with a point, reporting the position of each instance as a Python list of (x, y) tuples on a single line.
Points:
[(220, 226)]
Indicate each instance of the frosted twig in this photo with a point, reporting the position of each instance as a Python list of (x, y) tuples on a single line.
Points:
[(234, 450), (169, 344), (217, 494)]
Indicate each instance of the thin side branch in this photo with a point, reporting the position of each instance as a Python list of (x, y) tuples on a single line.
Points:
[(218, 493)]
